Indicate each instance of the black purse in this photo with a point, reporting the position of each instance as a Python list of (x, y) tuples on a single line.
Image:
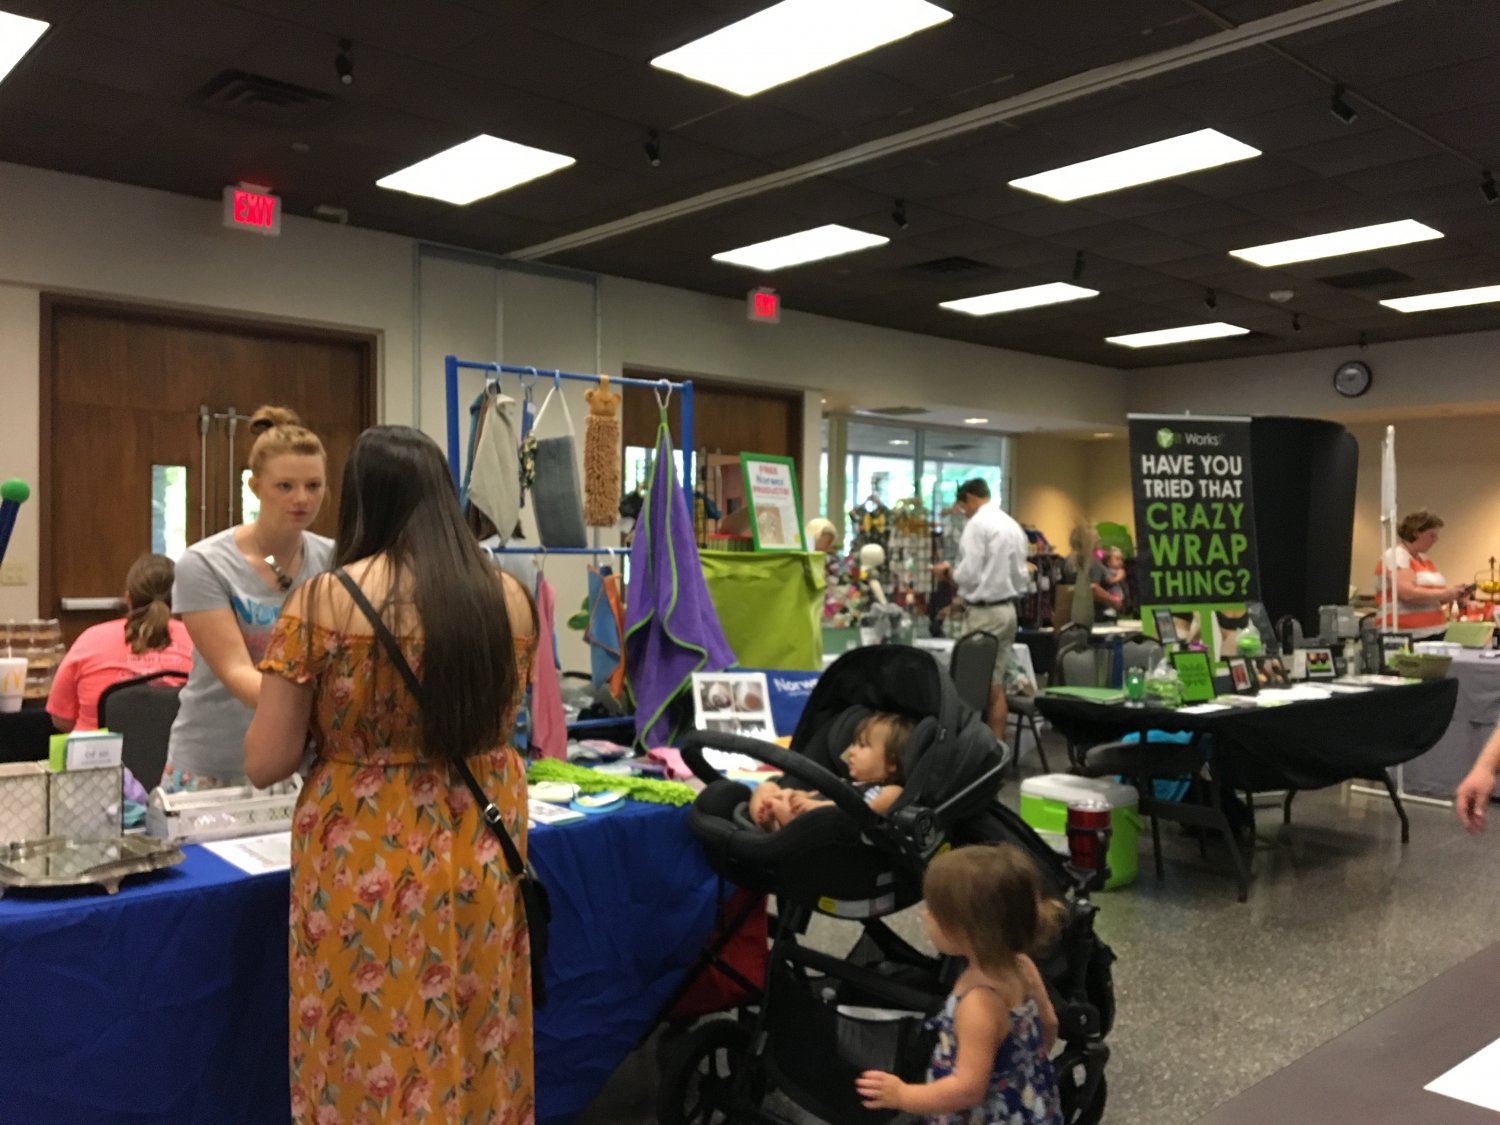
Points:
[(534, 898)]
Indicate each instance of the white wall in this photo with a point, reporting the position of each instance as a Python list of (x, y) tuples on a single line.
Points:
[(70, 234), (1461, 370)]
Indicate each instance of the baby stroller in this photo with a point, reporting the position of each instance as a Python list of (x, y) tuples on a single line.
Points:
[(822, 1019)]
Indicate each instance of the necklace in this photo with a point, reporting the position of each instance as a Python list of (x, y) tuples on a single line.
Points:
[(283, 579)]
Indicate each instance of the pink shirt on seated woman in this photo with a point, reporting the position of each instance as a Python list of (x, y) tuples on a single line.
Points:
[(147, 640)]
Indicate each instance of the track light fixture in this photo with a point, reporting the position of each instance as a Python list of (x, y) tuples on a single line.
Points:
[(1211, 299), (343, 62), (1296, 322), (898, 213), (1340, 108), (1487, 187), (653, 148), (1078, 266)]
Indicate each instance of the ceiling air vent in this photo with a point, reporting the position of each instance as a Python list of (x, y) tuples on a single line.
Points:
[(951, 266), (1366, 279), (896, 411), (254, 97)]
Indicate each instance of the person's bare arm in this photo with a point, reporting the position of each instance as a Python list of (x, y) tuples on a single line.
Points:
[(980, 1024), (1410, 591), (885, 797), (1037, 988), (278, 732), (216, 635), (1472, 801)]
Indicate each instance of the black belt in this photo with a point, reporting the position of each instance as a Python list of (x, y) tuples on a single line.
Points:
[(987, 605)]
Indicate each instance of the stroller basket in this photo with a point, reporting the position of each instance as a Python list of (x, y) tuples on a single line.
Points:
[(821, 1045)]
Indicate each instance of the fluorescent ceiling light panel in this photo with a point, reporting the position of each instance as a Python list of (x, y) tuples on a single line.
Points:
[(1334, 243), (1182, 335), (805, 246), (975, 421), (1159, 160), (17, 34), (1452, 299), (796, 37), (1053, 293), (479, 167)]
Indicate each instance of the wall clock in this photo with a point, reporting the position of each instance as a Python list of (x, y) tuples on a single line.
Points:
[(1352, 379)]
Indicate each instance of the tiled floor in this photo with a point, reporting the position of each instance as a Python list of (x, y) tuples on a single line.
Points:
[(1213, 994)]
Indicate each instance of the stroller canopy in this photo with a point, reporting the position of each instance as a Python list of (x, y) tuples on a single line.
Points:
[(950, 747)]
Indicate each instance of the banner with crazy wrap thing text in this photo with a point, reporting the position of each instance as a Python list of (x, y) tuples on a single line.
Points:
[(1194, 510)]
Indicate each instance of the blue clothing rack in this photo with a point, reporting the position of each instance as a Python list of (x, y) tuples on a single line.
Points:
[(453, 365)]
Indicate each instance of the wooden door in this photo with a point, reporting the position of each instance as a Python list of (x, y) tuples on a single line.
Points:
[(138, 410)]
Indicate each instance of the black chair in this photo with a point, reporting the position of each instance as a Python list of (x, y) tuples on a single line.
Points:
[(1023, 711), (143, 710), (972, 667)]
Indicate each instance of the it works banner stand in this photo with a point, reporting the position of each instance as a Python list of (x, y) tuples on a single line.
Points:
[(1195, 523)]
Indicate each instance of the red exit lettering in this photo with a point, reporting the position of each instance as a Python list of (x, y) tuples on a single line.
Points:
[(765, 304), (254, 210)]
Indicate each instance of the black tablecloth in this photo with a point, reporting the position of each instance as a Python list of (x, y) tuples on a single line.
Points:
[(24, 734), (1042, 644), (1293, 746)]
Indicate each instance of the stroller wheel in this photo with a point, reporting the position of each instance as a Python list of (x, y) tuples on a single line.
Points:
[(1072, 1082), (700, 1072)]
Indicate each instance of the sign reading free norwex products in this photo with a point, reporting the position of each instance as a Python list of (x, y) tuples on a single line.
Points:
[(1194, 515)]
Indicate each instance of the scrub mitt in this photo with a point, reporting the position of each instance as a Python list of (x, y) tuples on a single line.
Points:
[(588, 781)]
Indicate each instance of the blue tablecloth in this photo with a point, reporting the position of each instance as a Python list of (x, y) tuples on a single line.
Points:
[(168, 1001)]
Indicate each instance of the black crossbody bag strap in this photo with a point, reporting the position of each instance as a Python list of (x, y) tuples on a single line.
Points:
[(533, 893)]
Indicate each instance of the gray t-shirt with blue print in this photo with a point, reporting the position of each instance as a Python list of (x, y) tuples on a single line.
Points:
[(208, 735)]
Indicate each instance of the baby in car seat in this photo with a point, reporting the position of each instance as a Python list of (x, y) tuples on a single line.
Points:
[(874, 763)]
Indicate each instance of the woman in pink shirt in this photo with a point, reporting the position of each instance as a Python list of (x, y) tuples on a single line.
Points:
[(146, 640)]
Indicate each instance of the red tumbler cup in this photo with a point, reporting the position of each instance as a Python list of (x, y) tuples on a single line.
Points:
[(1088, 833)]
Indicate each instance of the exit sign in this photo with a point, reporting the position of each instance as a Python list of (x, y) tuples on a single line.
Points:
[(253, 209), (764, 306)]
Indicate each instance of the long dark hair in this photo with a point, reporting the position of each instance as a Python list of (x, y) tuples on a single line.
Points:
[(398, 501)]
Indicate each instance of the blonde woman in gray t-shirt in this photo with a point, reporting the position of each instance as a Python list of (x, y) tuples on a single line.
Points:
[(229, 590)]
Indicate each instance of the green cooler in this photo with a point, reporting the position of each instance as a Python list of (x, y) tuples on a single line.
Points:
[(1044, 806)]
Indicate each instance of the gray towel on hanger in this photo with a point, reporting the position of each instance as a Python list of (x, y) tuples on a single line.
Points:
[(557, 495), (557, 492), (495, 488)]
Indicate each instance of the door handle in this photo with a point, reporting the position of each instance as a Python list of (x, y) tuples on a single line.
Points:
[(92, 605)]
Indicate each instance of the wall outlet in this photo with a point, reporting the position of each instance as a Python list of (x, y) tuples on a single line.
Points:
[(13, 574)]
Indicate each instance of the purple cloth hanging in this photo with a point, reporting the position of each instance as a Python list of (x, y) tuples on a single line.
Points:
[(671, 629)]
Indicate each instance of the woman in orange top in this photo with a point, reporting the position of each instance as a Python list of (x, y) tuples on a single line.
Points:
[(409, 955), (1421, 590)]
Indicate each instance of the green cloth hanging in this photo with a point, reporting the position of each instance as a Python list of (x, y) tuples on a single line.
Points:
[(645, 789), (770, 604)]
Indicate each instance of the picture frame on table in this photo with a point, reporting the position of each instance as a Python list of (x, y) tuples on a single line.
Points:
[(1271, 672), (1166, 626), (1319, 663), (1393, 642), (1196, 674), (1242, 675)]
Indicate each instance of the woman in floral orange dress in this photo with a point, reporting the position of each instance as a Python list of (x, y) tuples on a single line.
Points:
[(409, 958)]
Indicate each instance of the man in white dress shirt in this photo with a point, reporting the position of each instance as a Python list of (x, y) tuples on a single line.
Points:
[(991, 576)]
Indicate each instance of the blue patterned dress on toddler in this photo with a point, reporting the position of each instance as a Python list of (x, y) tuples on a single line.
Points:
[(1023, 1086)]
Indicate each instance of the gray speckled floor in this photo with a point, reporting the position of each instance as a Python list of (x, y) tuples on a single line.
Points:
[(1214, 995)]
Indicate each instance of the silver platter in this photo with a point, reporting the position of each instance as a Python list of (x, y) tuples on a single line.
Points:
[(61, 861)]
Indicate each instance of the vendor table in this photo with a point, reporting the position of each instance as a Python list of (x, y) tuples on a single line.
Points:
[(1438, 772), (1304, 745), (168, 1001), (1375, 1073)]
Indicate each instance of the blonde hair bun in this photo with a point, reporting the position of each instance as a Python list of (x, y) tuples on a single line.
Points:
[(269, 417)]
